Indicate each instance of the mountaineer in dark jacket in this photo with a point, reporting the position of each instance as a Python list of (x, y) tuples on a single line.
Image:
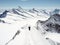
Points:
[(29, 28)]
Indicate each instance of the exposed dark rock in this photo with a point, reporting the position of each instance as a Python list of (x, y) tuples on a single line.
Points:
[(52, 24), (2, 21), (4, 14)]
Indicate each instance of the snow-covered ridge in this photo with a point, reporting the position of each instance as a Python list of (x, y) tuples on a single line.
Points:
[(29, 27), (20, 14)]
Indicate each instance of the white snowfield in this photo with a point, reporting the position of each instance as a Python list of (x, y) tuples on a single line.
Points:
[(53, 36), (33, 36), (25, 37)]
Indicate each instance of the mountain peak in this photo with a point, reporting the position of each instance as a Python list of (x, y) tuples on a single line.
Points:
[(3, 15)]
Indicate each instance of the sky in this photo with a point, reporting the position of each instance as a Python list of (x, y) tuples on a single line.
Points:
[(28, 4)]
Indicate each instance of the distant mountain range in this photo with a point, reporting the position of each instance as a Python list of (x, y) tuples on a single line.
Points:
[(32, 12)]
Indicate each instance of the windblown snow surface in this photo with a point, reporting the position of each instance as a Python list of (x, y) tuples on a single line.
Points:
[(29, 27)]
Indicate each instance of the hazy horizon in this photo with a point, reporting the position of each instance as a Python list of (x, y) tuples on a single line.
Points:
[(28, 4)]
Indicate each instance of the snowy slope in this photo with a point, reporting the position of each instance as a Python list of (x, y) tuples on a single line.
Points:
[(21, 19)]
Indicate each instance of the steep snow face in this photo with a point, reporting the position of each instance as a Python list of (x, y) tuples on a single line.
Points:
[(15, 15), (27, 14)]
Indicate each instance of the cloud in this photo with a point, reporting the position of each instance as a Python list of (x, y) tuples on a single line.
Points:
[(24, 0)]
